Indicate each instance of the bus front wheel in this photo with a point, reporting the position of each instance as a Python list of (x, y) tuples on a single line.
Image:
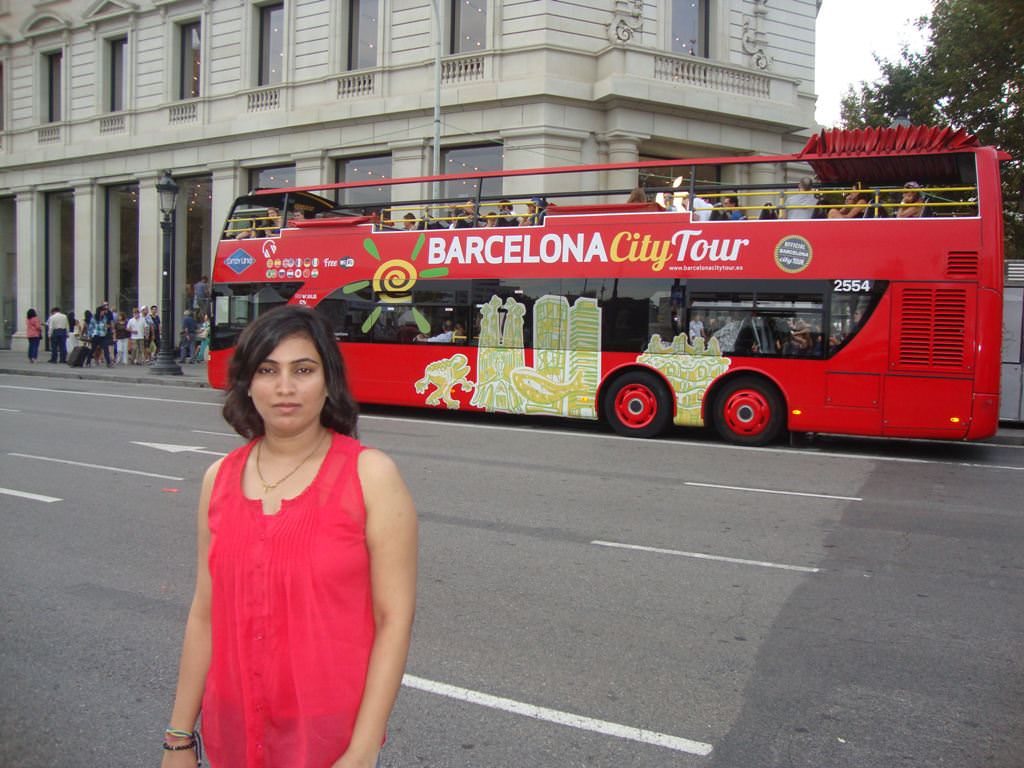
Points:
[(637, 404), (748, 411)]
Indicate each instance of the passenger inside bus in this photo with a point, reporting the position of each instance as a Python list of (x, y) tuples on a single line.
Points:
[(449, 332)]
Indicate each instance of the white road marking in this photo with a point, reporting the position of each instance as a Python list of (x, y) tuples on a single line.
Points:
[(628, 732), (172, 448), (704, 556), (10, 410), (95, 466), (111, 395), (26, 495), (218, 434), (779, 493)]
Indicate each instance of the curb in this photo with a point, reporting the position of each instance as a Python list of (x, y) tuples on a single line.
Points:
[(79, 374)]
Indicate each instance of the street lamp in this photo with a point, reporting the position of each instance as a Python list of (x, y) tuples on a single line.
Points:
[(436, 169), (166, 363)]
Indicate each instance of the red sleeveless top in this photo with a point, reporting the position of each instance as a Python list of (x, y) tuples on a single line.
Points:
[(291, 618)]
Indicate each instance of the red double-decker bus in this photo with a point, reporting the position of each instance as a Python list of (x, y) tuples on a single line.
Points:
[(863, 299)]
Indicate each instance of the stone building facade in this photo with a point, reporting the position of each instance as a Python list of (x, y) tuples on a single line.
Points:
[(99, 97)]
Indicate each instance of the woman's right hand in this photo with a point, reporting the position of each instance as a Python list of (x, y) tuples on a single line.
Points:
[(186, 758)]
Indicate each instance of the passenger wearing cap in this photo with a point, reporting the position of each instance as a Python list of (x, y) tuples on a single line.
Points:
[(912, 202), (535, 210)]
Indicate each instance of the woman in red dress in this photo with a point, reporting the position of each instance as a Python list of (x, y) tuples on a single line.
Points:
[(299, 629)]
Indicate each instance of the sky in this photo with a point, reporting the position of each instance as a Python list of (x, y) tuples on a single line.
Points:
[(848, 33)]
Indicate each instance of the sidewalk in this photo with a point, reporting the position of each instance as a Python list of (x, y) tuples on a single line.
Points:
[(193, 374)]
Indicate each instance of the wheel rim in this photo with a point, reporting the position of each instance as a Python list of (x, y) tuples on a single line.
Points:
[(636, 405), (747, 412)]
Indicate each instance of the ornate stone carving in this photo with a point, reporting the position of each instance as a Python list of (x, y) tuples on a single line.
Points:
[(752, 36), (627, 20)]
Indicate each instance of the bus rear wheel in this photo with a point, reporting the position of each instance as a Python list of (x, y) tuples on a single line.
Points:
[(637, 404), (748, 411)]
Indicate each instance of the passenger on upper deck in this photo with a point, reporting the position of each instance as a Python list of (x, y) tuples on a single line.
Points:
[(802, 204), (535, 210), (731, 209), (506, 215), (855, 206), (409, 221), (912, 203), (637, 196), (268, 226), (464, 216)]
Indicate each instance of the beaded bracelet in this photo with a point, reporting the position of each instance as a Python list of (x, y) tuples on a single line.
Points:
[(179, 747), (194, 742)]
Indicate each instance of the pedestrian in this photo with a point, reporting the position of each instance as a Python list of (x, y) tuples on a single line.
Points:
[(85, 326), (137, 331), (154, 319), (201, 296), (189, 328), (300, 622), (57, 326), (147, 347), (33, 332), (121, 338), (99, 335)]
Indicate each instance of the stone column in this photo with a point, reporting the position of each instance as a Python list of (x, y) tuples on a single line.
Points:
[(31, 255), (409, 159), (623, 147), (150, 243), (535, 148), (89, 284), (309, 168), (763, 174), (226, 186)]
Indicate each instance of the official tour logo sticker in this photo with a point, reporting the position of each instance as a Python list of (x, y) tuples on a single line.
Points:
[(239, 261), (793, 254)]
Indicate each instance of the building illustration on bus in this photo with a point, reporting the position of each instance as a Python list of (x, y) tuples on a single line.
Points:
[(860, 295)]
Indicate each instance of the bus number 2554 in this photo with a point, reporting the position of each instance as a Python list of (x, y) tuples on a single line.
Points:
[(851, 286)]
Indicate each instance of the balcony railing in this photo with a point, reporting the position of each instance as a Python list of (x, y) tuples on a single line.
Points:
[(185, 112), (48, 134), (462, 70), (704, 74), (264, 100), (360, 84), (113, 124)]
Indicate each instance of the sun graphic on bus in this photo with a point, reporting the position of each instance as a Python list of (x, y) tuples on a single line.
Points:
[(393, 282)]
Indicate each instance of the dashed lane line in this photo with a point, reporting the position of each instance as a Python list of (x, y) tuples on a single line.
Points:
[(705, 556), (628, 732), (95, 466), (746, 489), (27, 495)]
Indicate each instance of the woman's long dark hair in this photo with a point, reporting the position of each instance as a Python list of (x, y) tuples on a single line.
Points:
[(255, 345), (31, 313)]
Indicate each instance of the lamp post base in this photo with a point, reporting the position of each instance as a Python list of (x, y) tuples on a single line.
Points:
[(166, 365)]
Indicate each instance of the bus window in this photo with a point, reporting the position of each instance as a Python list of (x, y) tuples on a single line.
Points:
[(235, 305), (763, 324), (348, 313), (851, 308)]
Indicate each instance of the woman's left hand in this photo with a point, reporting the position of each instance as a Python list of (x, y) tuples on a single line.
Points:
[(353, 761)]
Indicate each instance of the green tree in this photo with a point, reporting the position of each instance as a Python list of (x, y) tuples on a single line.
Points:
[(971, 76)]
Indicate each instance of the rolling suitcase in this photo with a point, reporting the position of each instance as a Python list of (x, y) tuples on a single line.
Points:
[(77, 356)]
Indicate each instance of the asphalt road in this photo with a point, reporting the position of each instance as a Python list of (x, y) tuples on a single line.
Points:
[(585, 600)]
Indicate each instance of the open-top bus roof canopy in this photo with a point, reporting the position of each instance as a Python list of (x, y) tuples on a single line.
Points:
[(883, 155)]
